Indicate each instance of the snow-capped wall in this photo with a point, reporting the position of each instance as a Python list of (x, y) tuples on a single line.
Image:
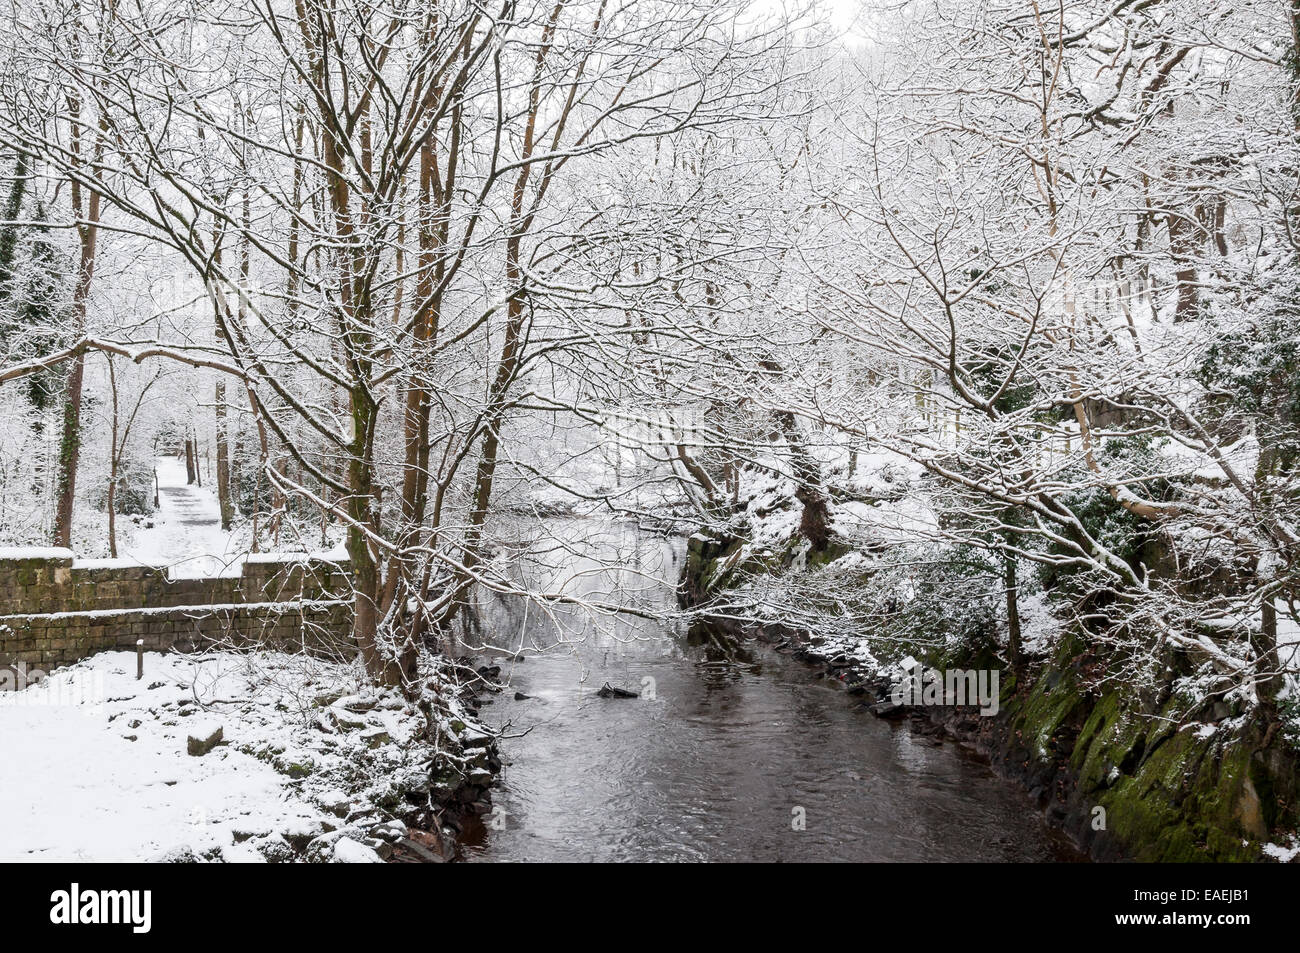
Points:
[(55, 609)]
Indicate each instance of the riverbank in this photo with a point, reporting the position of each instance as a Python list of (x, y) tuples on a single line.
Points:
[(726, 754), (1129, 775), (240, 757)]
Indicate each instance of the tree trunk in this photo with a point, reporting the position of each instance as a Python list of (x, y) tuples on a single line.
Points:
[(815, 520), (13, 211), (113, 457), (223, 458), (112, 509), (508, 364), (1014, 653), (432, 231), (494, 418), (69, 453), (1268, 678), (70, 439), (1183, 249), (219, 413), (398, 669)]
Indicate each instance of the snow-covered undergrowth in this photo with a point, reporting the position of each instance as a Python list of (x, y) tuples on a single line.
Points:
[(306, 760), (891, 584)]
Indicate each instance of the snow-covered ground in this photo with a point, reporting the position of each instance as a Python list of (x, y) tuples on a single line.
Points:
[(95, 765), (186, 534)]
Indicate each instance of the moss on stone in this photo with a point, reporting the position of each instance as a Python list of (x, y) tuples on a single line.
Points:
[(1169, 794)]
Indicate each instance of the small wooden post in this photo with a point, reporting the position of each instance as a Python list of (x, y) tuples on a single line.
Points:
[(139, 659)]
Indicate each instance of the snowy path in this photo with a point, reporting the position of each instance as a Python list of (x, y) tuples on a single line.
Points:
[(186, 535)]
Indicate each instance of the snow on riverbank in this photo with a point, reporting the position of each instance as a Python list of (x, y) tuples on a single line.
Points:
[(98, 766)]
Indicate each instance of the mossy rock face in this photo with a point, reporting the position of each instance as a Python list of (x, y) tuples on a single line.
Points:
[(705, 555), (1169, 793), (715, 563), (1187, 802)]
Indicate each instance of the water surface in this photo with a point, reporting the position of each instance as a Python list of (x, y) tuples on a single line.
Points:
[(727, 748)]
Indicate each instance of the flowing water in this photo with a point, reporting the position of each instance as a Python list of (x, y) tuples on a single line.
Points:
[(725, 751)]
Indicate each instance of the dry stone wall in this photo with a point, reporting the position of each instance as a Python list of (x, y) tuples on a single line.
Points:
[(56, 609)]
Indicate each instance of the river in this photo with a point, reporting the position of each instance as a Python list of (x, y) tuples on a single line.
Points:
[(741, 754)]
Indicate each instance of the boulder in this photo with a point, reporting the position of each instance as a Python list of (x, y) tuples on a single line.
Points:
[(180, 854), (242, 854), (335, 802), (347, 719), (326, 698), (203, 738), (348, 851), (274, 849), (357, 703), (427, 846), (475, 739), (888, 709), (391, 831)]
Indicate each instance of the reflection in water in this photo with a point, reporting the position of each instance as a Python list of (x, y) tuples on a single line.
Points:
[(725, 748)]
